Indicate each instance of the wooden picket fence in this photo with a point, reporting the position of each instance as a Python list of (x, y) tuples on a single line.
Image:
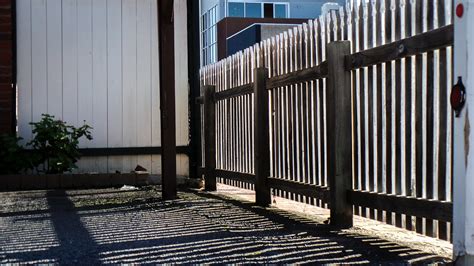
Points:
[(348, 112)]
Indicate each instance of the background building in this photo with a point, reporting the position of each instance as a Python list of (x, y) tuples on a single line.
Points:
[(228, 26)]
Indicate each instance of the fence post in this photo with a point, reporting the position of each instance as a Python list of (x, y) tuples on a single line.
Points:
[(261, 138), (339, 134), (210, 138)]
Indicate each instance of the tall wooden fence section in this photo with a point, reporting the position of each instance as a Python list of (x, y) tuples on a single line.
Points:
[(348, 111)]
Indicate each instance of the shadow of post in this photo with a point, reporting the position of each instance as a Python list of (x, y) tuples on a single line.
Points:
[(74, 238)]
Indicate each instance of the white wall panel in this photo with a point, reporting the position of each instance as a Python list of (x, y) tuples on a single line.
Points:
[(70, 57), (39, 74), (114, 82), (155, 93), (144, 78), (97, 61), (129, 78), (99, 81), (84, 75), (84, 63), (54, 58), (181, 71), (24, 69)]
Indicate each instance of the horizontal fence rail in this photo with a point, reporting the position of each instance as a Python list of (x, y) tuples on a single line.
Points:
[(234, 92), (418, 44), (398, 128), (301, 76), (437, 210)]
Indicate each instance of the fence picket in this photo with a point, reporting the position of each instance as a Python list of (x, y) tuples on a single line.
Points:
[(397, 89), (419, 115), (362, 82), (291, 106), (307, 152), (389, 77), (309, 39), (318, 33), (298, 109), (356, 82), (442, 126), (379, 183), (287, 112), (430, 117), (284, 129), (322, 102), (407, 64), (355, 132), (370, 100)]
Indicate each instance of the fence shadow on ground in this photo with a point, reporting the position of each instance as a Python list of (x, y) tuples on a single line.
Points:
[(197, 228)]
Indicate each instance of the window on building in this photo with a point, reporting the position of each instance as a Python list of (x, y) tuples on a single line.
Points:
[(268, 10), (257, 10), (236, 10), (253, 10), (280, 11), (209, 36)]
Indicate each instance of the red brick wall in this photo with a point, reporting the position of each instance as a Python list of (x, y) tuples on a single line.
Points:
[(6, 67)]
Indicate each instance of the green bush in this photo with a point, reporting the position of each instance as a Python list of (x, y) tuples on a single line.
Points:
[(13, 158), (55, 144)]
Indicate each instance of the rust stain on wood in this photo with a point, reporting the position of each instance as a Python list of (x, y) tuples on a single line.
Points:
[(467, 132)]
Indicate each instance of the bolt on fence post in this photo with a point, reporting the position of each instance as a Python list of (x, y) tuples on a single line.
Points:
[(339, 134), (261, 138), (210, 138)]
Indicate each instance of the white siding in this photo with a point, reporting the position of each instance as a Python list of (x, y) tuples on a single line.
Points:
[(24, 69), (182, 85), (97, 61)]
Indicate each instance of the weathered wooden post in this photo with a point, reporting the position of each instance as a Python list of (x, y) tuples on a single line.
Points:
[(167, 98), (262, 138), (210, 138), (339, 134), (463, 135)]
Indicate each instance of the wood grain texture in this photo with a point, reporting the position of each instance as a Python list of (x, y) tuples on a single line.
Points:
[(210, 138), (234, 92), (424, 42), (439, 210), (236, 176), (300, 188), (262, 138), (339, 134), (166, 35)]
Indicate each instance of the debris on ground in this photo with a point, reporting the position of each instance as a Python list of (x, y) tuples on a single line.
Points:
[(140, 168), (128, 188)]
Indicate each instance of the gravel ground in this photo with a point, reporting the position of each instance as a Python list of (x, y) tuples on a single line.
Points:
[(114, 226)]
